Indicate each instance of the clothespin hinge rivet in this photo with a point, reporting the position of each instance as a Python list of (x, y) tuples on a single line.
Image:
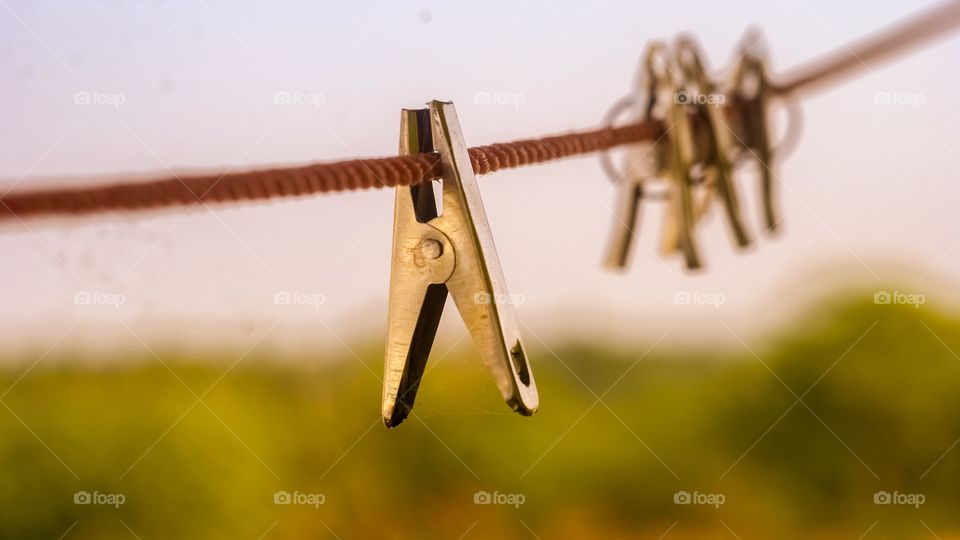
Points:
[(431, 249)]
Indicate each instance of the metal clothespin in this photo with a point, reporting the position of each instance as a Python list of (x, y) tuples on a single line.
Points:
[(684, 209), (671, 158), (644, 162), (714, 136), (436, 252), (750, 94)]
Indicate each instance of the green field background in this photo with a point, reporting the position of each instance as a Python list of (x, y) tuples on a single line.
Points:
[(797, 436)]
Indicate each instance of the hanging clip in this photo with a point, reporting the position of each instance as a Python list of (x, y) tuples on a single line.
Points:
[(751, 92), (670, 158), (685, 207), (713, 136), (449, 250), (644, 162)]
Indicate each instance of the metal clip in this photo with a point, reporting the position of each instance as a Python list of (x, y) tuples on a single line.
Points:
[(672, 158), (436, 252), (644, 162), (751, 94), (714, 142), (684, 210)]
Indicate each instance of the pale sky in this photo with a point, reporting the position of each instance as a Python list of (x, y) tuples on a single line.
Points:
[(870, 194)]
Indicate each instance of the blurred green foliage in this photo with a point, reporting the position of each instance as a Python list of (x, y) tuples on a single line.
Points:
[(797, 434)]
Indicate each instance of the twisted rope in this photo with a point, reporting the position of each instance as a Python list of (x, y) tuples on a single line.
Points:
[(312, 179)]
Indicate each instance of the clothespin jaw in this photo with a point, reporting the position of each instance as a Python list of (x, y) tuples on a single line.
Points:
[(751, 94), (714, 144), (450, 251)]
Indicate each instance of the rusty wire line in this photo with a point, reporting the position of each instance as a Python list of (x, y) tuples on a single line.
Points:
[(318, 178), (413, 169)]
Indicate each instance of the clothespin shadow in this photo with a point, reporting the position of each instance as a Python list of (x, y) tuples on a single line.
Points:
[(436, 252)]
